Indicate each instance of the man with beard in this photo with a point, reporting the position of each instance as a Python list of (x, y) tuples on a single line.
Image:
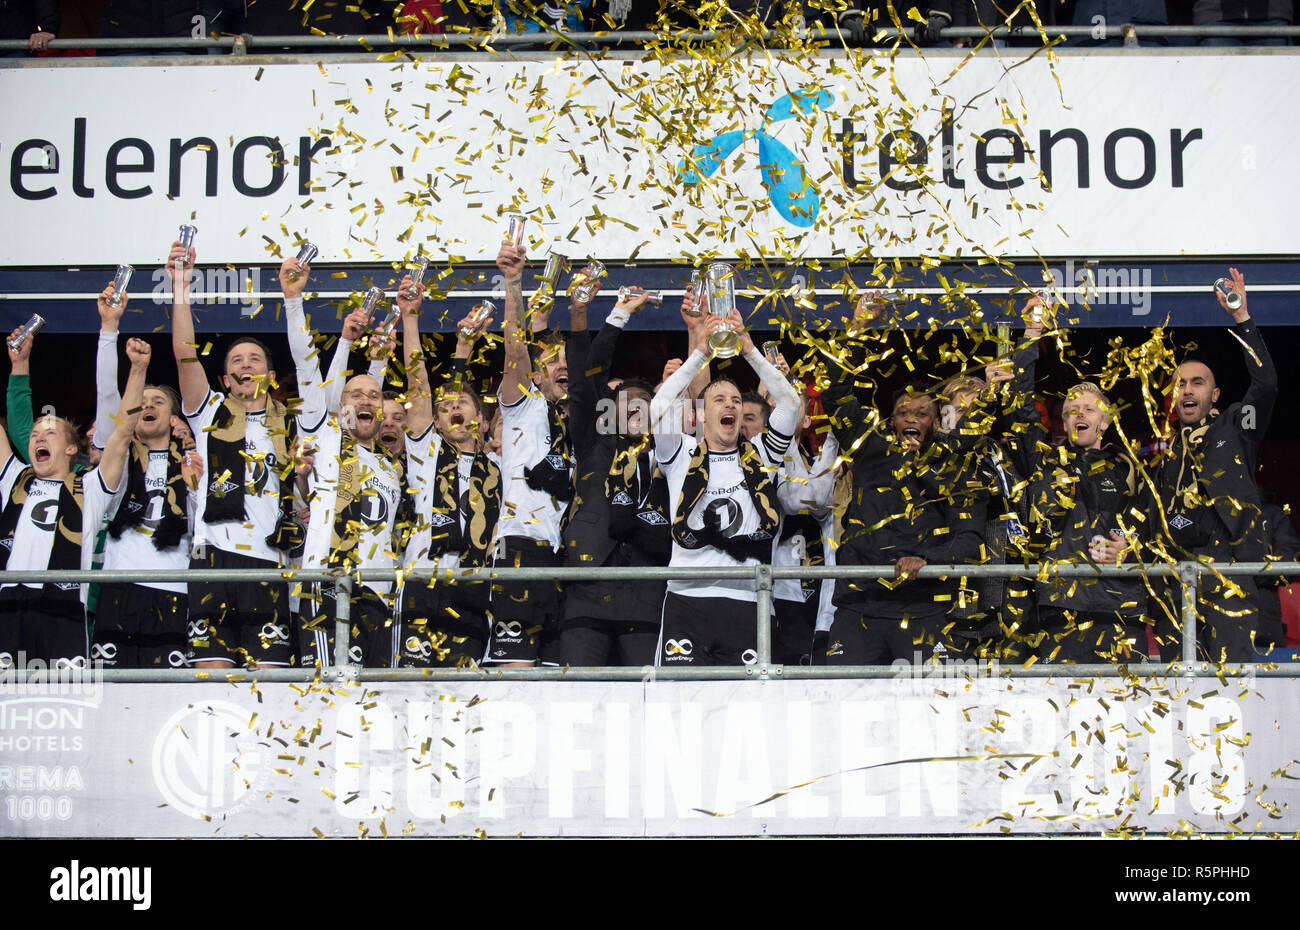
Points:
[(1209, 504), (724, 507), (457, 488), (243, 515), (50, 519), (142, 625), (537, 482), (357, 498), (913, 504)]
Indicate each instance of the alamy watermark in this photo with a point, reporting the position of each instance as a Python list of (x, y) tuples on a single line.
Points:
[(242, 286), (1085, 284), (32, 677)]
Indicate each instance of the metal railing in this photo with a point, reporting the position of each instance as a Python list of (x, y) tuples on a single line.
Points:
[(238, 45), (1188, 574)]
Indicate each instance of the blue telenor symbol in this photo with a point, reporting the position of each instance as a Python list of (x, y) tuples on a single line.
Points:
[(788, 185)]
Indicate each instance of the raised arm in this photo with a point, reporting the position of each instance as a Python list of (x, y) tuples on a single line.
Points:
[(698, 336), (518, 369), (107, 397), (855, 428), (18, 398), (189, 370), (785, 399), (353, 326), (113, 462), (665, 415), (593, 360), (583, 431), (315, 396), (1256, 410), (419, 394), (18, 368)]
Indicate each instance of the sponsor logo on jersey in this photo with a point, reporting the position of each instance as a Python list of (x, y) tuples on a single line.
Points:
[(376, 510), (508, 629), (418, 648), (678, 650), (45, 514)]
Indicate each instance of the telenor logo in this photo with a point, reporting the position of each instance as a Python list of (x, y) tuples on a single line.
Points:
[(788, 185)]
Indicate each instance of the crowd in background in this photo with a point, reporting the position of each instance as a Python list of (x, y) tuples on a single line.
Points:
[(853, 23)]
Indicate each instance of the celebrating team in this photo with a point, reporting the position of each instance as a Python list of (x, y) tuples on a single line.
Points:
[(690, 473)]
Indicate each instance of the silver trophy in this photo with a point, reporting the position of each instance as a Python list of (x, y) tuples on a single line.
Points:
[(724, 342), (482, 310), (305, 256), (186, 239), (556, 265), (1004, 340), (30, 328), (417, 277), (1231, 298), (583, 292), (652, 298), (772, 351), (518, 223), (697, 290), (120, 281), (369, 303)]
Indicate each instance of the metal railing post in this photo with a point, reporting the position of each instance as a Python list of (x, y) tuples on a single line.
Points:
[(342, 620), (763, 586), (1189, 573)]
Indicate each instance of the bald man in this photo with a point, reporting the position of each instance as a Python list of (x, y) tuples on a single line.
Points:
[(357, 492), (1209, 503)]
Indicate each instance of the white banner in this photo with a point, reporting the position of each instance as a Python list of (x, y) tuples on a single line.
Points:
[(786, 159), (903, 756)]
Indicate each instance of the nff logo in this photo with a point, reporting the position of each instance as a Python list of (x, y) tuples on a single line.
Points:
[(788, 186), (205, 759)]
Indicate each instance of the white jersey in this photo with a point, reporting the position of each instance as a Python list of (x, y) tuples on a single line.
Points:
[(33, 539), (261, 481), (380, 500), (135, 548), (726, 500), (422, 456), (801, 489), (525, 441)]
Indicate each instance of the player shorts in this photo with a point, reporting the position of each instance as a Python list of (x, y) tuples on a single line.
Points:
[(140, 627), (244, 623)]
